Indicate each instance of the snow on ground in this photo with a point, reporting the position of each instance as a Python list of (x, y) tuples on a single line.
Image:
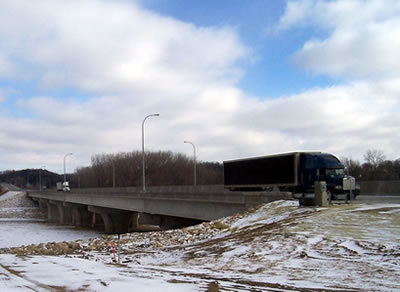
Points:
[(21, 223), (65, 274), (15, 199), (277, 247), (16, 233), (9, 195), (16, 206)]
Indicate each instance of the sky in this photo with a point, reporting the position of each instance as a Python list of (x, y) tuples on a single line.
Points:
[(236, 78)]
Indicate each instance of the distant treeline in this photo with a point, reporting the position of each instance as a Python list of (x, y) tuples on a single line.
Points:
[(375, 167), (163, 168)]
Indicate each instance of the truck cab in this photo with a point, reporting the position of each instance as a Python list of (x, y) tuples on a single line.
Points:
[(63, 186), (323, 167)]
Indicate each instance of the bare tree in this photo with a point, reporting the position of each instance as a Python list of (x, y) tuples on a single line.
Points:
[(374, 157), (353, 167), (162, 168)]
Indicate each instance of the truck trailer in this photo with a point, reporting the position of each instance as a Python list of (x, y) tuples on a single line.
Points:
[(295, 172)]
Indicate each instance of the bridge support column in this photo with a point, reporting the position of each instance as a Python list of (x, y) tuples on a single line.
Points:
[(43, 204), (80, 216), (134, 222), (52, 212), (115, 221), (64, 213)]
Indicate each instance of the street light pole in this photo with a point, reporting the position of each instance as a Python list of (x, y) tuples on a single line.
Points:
[(194, 161), (113, 169), (65, 157), (40, 177), (143, 160)]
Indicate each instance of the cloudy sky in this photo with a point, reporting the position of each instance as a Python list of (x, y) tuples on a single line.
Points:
[(237, 78)]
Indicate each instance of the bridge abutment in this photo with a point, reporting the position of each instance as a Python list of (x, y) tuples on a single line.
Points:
[(254, 199)]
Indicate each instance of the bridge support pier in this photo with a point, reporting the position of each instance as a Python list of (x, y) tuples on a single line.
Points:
[(65, 214), (43, 204), (52, 212), (58, 213), (79, 213), (115, 221)]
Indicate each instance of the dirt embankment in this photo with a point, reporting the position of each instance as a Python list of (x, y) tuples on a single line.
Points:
[(2, 190)]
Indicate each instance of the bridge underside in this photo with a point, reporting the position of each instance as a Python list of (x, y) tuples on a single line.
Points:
[(121, 211), (112, 221)]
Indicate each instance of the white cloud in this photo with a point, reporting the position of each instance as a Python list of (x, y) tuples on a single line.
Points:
[(363, 37), (101, 46), (6, 67), (296, 13)]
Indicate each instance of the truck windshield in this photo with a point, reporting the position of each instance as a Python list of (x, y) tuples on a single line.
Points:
[(329, 161), (335, 172)]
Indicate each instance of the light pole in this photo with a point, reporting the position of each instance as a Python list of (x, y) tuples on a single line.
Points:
[(40, 177), (194, 161), (65, 157), (143, 162), (113, 174)]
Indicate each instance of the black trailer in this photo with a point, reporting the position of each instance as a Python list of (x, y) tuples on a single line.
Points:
[(259, 173)]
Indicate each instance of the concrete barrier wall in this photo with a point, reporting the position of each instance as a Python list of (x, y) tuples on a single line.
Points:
[(390, 187), (159, 189)]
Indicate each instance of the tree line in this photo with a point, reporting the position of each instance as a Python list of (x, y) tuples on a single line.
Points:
[(163, 168), (375, 167)]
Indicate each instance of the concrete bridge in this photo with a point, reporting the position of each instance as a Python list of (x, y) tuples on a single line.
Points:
[(121, 210)]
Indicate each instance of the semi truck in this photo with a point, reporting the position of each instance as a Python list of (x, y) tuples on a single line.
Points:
[(63, 186), (294, 172)]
